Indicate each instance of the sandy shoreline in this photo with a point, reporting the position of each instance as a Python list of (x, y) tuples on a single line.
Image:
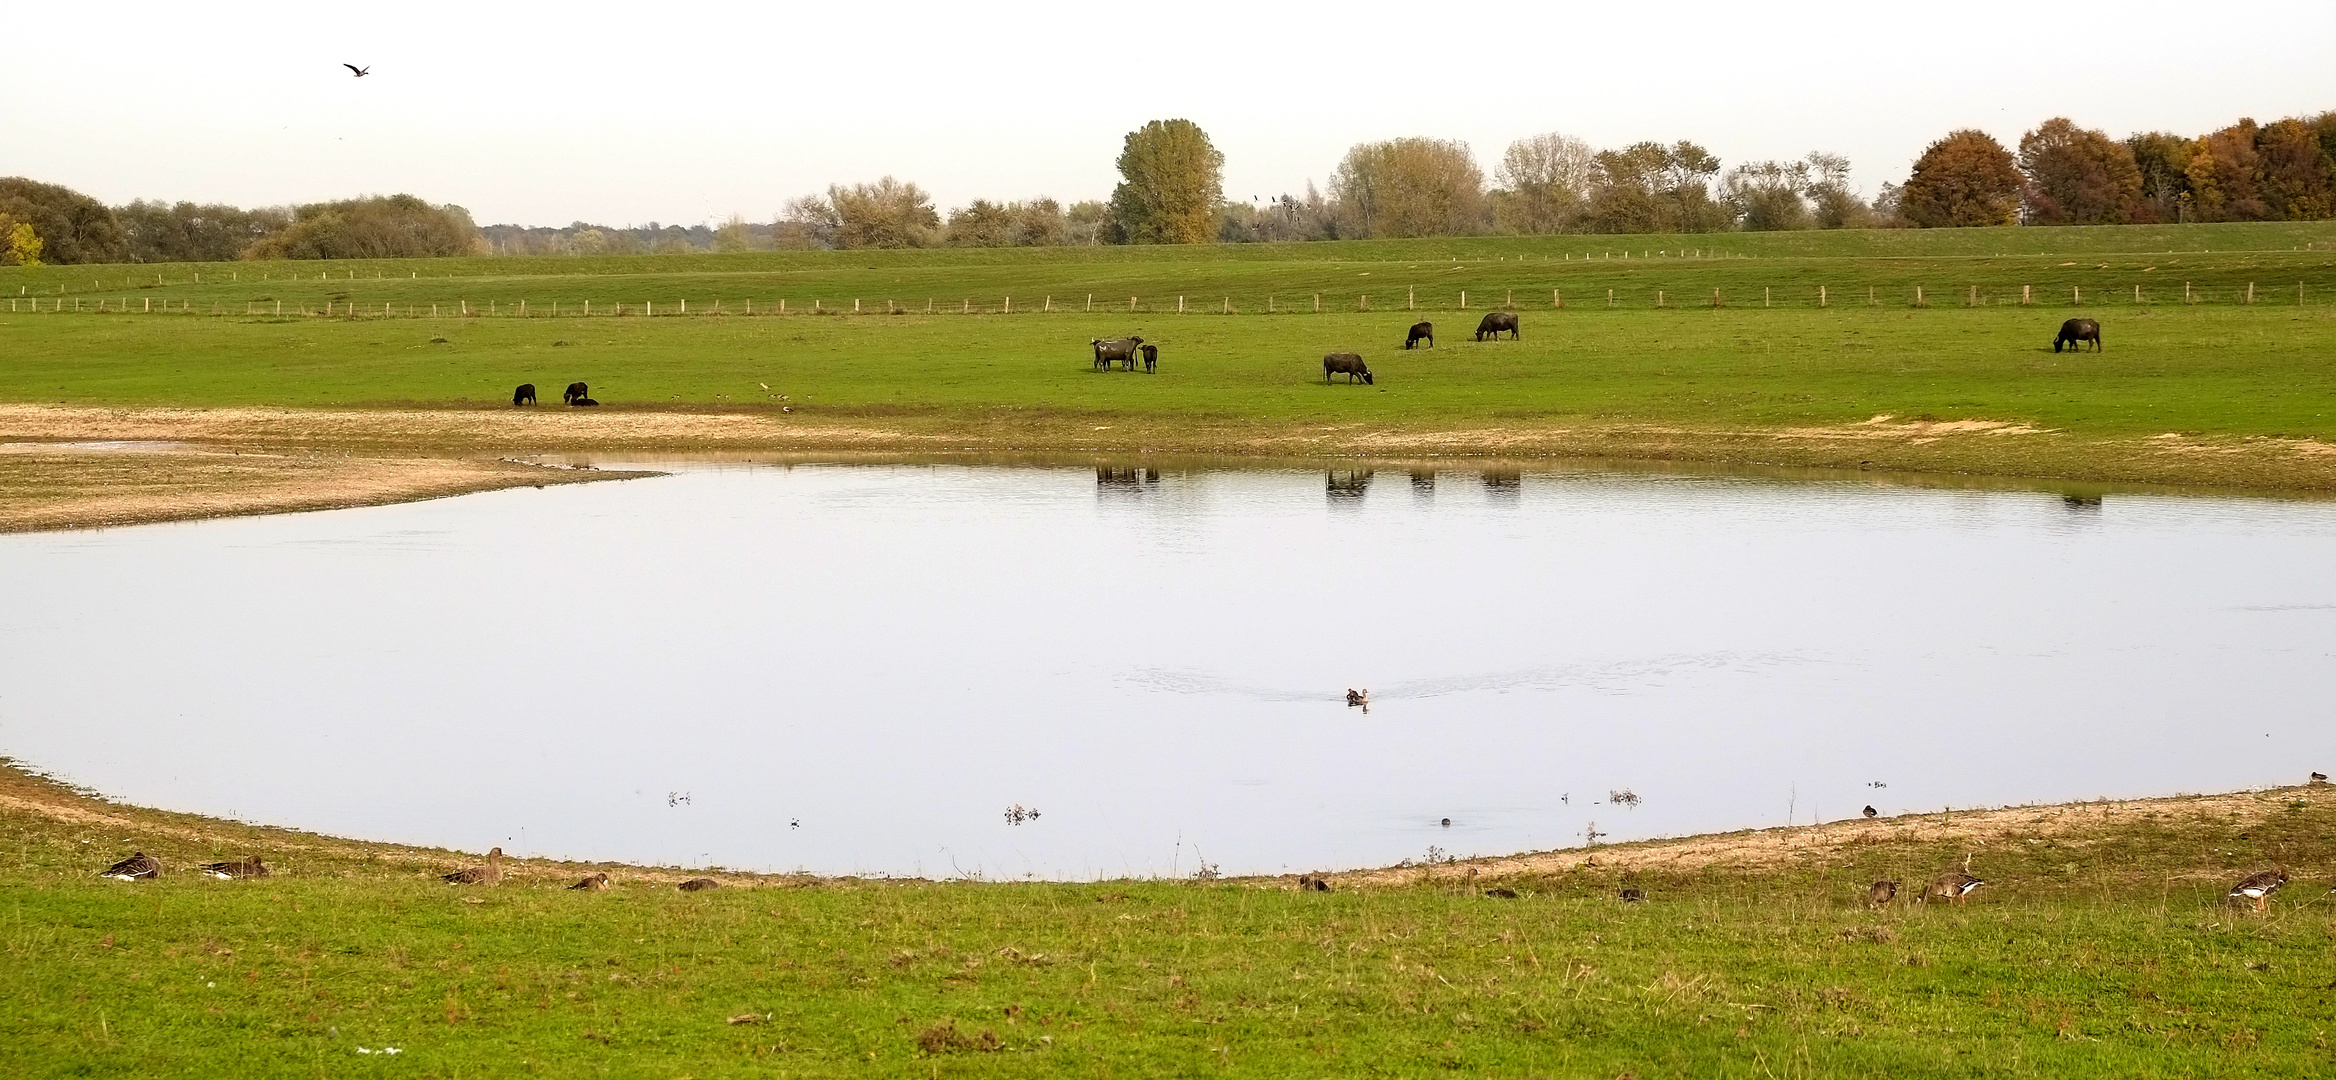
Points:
[(1747, 851), (184, 463)]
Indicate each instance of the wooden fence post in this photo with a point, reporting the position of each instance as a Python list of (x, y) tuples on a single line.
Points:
[(1658, 298), (2025, 299), (1609, 296), (1463, 299), (1974, 301), (1556, 298), (1512, 301), (1090, 301), (1410, 297), (2186, 293), (1715, 299), (1317, 303), (1131, 303), (1180, 303), (1764, 296), (1918, 300), (2076, 294), (2250, 292), (1820, 296), (1364, 303), (1009, 308)]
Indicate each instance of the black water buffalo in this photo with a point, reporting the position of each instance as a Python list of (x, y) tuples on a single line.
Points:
[(1151, 358), (1345, 363), (575, 390), (1421, 331), (2075, 331), (1496, 323), (525, 395), (1120, 349), (582, 401)]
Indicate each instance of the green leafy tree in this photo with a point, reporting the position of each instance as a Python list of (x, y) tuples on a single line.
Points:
[(373, 227), (1171, 182), (2163, 159), (1037, 223), (2077, 177), (1650, 187), (188, 232), (1965, 179), (72, 227), (1769, 195)]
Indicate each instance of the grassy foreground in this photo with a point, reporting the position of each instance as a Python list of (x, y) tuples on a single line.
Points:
[(2098, 949)]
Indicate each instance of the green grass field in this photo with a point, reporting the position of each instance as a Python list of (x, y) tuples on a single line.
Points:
[(1770, 356), (2100, 952)]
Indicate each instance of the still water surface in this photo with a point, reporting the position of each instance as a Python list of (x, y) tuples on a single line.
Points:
[(853, 668)]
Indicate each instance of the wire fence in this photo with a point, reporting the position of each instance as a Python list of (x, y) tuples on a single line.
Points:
[(1640, 297)]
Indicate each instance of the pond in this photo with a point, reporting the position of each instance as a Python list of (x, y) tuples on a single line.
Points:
[(855, 668)]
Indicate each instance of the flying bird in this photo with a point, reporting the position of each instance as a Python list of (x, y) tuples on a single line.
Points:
[(360, 72)]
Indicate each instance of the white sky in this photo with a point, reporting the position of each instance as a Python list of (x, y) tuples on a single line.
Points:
[(542, 113)]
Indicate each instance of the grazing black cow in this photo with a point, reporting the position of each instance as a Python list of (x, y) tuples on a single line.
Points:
[(1122, 350), (2075, 331), (1497, 323), (1151, 358), (1421, 331), (525, 395), (1345, 363), (575, 390)]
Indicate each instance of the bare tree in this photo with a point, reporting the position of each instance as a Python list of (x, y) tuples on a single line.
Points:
[(1410, 187), (1543, 183)]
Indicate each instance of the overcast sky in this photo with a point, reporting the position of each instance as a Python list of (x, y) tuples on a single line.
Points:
[(542, 113)]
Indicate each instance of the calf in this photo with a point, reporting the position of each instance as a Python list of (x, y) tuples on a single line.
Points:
[(525, 395), (1151, 358), (1421, 331)]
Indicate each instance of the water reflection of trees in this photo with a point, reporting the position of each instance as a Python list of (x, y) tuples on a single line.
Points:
[(1345, 485)]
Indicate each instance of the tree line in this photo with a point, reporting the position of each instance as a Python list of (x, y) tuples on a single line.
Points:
[(46, 223), (1171, 191)]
